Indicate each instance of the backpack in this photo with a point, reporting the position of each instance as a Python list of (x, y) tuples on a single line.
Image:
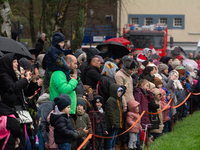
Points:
[(3, 131)]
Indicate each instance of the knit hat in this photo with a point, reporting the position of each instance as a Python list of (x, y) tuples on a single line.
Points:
[(9, 98), (141, 58), (109, 69), (175, 63), (151, 85), (98, 98), (100, 59), (156, 92), (128, 64), (174, 72), (157, 81), (162, 67), (179, 57), (81, 103), (25, 63), (62, 101)]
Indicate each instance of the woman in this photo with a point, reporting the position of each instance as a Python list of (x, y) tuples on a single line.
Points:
[(10, 78), (148, 74)]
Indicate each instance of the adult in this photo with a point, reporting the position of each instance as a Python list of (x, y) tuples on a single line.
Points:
[(148, 74), (140, 59), (10, 78), (40, 44), (134, 53), (92, 73), (59, 84), (155, 70), (106, 80), (168, 61), (147, 53), (191, 56)]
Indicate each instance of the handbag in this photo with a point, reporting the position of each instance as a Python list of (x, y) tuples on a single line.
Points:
[(24, 115)]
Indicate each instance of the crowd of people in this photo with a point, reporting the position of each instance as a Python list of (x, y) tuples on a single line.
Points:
[(51, 102)]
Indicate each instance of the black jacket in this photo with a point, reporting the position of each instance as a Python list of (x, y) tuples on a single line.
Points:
[(146, 76), (12, 125), (104, 87), (8, 79), (64, 131), (92, 76), (39, 45)]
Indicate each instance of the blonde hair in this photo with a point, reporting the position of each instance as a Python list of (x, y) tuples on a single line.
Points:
[(142, 82)]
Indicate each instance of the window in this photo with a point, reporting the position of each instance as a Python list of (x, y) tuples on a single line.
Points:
[(134, 21), (148, 21), (177, 22), (163, 20)]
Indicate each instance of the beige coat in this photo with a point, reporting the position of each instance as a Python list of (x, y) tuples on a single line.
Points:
[(122, 77)]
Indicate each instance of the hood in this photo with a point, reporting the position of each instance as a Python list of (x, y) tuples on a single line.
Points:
[(6, 110), (6, 64), (153, 65), (145, 52), (174, 72), (40, 59), (55, 116), (78, 53), (109, 69), (137, 90), (132, 106), (113, 90), (57, 37), (162, 94), (180, 68), (189, 68), (156, 92)]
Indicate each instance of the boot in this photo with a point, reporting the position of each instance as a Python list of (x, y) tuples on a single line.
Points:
[(124, 147)]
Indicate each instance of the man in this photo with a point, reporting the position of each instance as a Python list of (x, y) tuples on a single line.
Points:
[(191, 56), (123, 77), (134, 52), (59, 84), (40, 44), (92, 73)]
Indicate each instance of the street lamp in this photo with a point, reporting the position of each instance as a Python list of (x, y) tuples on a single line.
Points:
[(91, 15)]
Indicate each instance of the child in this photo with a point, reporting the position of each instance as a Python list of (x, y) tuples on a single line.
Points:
[(165, 113), (159, 119), (64, 131), (100, 127), (168, 98), (113, 111), (131, 117), (54, 55), (158, 83), (177, 84), (143, 95)]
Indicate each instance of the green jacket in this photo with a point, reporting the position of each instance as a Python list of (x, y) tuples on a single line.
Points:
[(113, 108), (59, 84)]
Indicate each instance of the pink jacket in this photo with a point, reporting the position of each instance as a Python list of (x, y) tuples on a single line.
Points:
[(132, 116), (52, 143), (163, 104)]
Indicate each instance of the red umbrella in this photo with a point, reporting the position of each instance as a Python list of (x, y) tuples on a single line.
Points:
[(125, 42)]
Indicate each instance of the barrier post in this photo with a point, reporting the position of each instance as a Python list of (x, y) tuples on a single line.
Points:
[(93, 124), (191, 101), (172, 111)]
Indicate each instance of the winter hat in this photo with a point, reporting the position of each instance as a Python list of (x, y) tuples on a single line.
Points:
[(157, 81), (156, 92), (128, 64), (109, 69), (9, 98), (81, 103), (162, 67), (141, 58), (187, 74), (179, 57), (151, 85), (174, 72), (167, 59), (100, 59), (57, 38), (175, 63), (78, 53), (62, 101), (164, 89), (98, 98), (25, 63)]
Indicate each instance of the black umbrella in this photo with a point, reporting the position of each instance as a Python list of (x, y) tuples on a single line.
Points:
[(11, 46), (155, 56), (1, 54), (91, 52), (118, 50)]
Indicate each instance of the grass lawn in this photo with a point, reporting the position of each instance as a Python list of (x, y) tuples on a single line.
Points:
[(186, 136)]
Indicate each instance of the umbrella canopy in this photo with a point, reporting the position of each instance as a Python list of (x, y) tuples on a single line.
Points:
[(11, 46), (1, 54), (118, 50), (91, 52), (119, 40), (189, 61)]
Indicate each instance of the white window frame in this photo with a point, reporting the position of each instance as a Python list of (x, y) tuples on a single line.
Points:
[(148, 20), (134, 19), (163, 20), (180, 23)]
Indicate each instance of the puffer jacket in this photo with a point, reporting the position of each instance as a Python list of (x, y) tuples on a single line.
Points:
[(64, 131), (113, 108), (132, 117)]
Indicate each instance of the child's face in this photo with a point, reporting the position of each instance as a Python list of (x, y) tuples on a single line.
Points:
[(159, 85), (165, 71), (98, 104), (184, 82), (119, 93), (79, 107), (138, 108), (158, 96), (169, 97), (66, 110), (164, 96), (149, 53), (61, 44), (152, 90), (145, 86)]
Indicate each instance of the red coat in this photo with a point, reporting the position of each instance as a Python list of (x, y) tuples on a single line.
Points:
[(132, 117)]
